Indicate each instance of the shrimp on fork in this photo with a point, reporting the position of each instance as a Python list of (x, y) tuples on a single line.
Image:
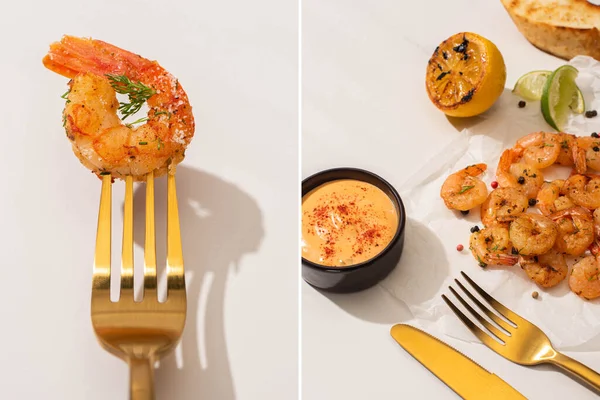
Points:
[(101, 141)]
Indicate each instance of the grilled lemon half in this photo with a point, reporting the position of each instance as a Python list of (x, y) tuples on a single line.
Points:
[(465, 75)]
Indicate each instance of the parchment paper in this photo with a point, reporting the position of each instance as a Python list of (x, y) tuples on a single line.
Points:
[(430, 261)]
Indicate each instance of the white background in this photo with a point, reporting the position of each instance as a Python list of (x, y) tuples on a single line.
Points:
[(365, 105), (237, 189)]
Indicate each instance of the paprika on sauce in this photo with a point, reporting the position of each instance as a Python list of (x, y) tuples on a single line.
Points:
[(346, 222)]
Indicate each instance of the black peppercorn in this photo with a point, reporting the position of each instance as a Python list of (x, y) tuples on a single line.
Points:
[(475, 229), (532, 202), (514, 251), (522, 104), (464, 212), (521, 180), (596, 148), (595, 135), (591, 113)]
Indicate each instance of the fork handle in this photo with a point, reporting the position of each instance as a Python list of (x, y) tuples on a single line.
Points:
[(141, 379), (576, 368)]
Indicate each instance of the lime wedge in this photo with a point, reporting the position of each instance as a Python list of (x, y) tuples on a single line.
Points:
[(558, 94), (578, 103), (531, 85)]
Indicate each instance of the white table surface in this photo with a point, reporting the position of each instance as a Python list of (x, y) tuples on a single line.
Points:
[(365, 105), (237, 191)]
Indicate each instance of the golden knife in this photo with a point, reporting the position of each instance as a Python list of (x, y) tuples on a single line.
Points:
[(467, 378)]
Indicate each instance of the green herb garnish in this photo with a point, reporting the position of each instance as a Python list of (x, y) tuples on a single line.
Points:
[(465, 188), (144, 119), (143, 143), (137, 92)]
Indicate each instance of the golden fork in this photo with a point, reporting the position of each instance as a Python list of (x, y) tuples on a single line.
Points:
[(138, 332), (519, 341)]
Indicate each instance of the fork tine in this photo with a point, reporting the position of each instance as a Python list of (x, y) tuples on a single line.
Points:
[(484, 337), (493, 330), (127, 252), (101, 279), (502, 310), (482, 307), (150, 242), (175, 271)]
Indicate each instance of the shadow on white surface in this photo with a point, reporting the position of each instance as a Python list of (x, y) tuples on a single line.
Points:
[(386, 303), (219, 225), (504, 105)]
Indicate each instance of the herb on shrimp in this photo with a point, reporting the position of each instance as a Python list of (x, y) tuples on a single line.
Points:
[(130, 125), (64, 96), (137, 92), (465, 188)]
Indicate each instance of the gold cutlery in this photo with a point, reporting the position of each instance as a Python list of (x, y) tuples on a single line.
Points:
[(467, 378), (138, 332), (513, 337)]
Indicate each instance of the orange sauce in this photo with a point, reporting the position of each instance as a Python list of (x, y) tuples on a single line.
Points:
[(346, 222)]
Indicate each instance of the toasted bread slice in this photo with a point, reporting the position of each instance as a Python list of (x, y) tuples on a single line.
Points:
[(565, 28)]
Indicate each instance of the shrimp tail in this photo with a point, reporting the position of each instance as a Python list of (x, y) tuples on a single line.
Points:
[(579, 159), (73, 55), (508, 157), (595, 248), (476, 169), (576, 211), (502, 259)]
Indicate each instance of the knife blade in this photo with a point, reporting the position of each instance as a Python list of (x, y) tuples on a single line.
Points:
[(467, 378)]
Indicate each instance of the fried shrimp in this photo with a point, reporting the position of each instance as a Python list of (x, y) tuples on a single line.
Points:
[(101, 141), (575, 230), (551, 198), (491, 246), (596, 216), (566, 141), (584, 280), (568, 222), (503, 205), (539, 149), (463, 190), (584, 190), (518, 175), (532, 234), (586, 154), (547, 270)]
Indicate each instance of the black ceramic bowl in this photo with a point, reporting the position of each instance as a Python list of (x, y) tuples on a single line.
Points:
[(364, 275)]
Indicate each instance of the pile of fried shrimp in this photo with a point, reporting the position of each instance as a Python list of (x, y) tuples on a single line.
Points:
[(535, 223)]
